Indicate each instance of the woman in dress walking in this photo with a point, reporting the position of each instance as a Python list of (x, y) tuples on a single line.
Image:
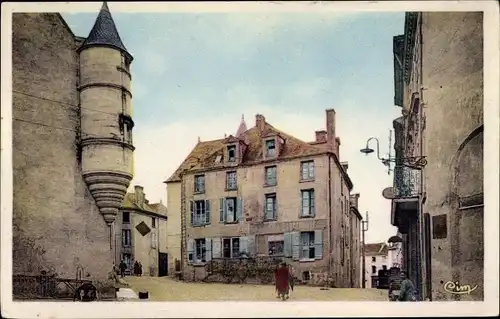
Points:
[(283, 281)]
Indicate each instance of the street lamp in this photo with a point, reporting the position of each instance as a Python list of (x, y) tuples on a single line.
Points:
[(414, 162)]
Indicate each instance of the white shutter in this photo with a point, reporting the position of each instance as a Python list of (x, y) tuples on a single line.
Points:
[(295, 245), (208, 249), (318, 244), (239, 210), (190, 250), (222, 210), (216, 247)]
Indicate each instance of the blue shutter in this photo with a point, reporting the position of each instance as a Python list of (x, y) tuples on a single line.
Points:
[(207, 212), (239, 209), (208, 249), (251, 245), (296, 245), (216, 247), (287, 247), (311, 198), (243, 244), (318, 244), (222, 210), (191, 209), (190, 250)]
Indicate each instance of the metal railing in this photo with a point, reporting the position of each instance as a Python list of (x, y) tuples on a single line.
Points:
[(406, 182)]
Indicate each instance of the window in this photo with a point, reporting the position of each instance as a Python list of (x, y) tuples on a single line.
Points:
[(126, 237), (153, 222), (231, 215), (374, 259), (200, 252), (307, 203), (231, 247), (374, 269), (231, 182), (271, 176), (270, 148), (276, 248), (200, 212), (153, 240), (126, 217), (270, 209), (231, 153), (307, 245), (307, 170), (384, 267), (199, 184)]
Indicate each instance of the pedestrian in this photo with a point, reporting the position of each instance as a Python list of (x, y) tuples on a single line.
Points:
[(136, 268), (283, 281), (123, 267), (407, 290), (140, 269)]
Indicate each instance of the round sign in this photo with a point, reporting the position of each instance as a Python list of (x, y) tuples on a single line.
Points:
[(388, 193)]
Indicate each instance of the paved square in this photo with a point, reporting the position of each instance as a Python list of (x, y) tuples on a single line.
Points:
[(166, 289)]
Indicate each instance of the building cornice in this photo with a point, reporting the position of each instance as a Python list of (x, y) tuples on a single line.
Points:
[(105, 141), (102, 84)]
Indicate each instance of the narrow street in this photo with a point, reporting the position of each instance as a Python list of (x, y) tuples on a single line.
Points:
[(166, 289)]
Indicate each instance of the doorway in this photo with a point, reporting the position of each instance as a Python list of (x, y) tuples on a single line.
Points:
[(162, 264)]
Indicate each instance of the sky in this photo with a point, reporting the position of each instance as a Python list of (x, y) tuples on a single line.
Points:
[(195, 74)]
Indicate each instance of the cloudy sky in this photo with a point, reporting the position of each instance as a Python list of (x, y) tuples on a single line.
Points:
[(196, 74)]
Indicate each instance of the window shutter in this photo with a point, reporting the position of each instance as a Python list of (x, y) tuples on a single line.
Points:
[(207, 212), (296, 245), (222, 210), (239, 209), (191, 209), (251, 245), (216, 248), (287, 244), (190, 250), (243, 244), (275, 213), (208, 249), (311, 170), (318, 244), (313, 210)]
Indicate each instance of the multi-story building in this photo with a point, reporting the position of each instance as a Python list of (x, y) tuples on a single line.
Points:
[(264, 192), (72, 144), (376, 258), (141, 234), (438, 179)]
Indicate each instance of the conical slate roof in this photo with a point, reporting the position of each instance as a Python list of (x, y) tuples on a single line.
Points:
[(104, 32)]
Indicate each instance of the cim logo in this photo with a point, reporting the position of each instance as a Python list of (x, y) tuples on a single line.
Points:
[(457, 289)]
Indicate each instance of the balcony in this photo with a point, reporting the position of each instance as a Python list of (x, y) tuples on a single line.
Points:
[(406, 182)]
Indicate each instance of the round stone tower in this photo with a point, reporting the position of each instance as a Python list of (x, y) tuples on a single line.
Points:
[(106, 115)]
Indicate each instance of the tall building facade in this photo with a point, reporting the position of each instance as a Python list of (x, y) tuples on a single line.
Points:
[(266, 193), (72, 144), (141, 234), (438, 180)]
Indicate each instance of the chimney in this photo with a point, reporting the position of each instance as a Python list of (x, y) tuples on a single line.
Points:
[(337, 146), (330, 127), (260, 121), (321, 136), (354, 199), (345, 165), (139, 195)]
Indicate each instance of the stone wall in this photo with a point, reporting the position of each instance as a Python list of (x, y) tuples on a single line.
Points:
[(57, 225)]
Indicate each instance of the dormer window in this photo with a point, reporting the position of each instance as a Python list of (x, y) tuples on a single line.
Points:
[(271, 148), (231, 153)]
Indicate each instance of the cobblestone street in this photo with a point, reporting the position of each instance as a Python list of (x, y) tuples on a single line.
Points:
[(166, 289)]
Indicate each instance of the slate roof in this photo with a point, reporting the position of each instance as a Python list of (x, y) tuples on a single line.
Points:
[(377, 249), (204, 154), (129, 202), (104, 32)]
